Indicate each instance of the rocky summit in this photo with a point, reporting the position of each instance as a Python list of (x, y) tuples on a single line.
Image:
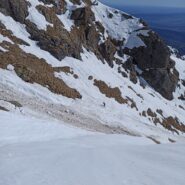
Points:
[(92, 66)]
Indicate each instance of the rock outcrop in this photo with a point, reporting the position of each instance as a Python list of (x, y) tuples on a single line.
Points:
[(17, 9), (154, 60), (82, 16)]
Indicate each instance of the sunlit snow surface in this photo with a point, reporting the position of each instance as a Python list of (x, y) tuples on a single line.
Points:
[(44, 152)]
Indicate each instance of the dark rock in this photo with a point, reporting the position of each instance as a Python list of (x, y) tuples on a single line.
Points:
[(18, 9), (3, 109), (108, 50), (173, 124), (151, 113), (60, 5), (82, 16), (183, 82), (94, 3), (119, 44), (155, 55), (182, 97), (48, 1), (162, 80), (126, 16), (143, 22), (100, 27), (110, 15), (90, 78), (56, 41), (154, 60), (92, 37), (78, 2), (130, 68)]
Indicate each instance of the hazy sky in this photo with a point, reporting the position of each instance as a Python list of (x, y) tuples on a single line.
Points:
[(167, 3)]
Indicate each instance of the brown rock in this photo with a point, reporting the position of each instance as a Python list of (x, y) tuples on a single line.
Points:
[(110, 92), (33, 70), (82, 16), (108, 50), (18, 9)]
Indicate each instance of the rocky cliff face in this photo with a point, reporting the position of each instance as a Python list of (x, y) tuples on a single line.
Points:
[(53, 30), (153, 57)]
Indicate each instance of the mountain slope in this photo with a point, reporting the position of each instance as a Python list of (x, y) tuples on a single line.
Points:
[(91, 66), (88, 95)]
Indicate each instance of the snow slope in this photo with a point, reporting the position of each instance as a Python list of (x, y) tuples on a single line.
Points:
[(91, 105), (18, 128), (44, 152)]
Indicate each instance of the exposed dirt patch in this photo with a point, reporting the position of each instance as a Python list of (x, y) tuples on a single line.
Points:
[(110, 92)]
